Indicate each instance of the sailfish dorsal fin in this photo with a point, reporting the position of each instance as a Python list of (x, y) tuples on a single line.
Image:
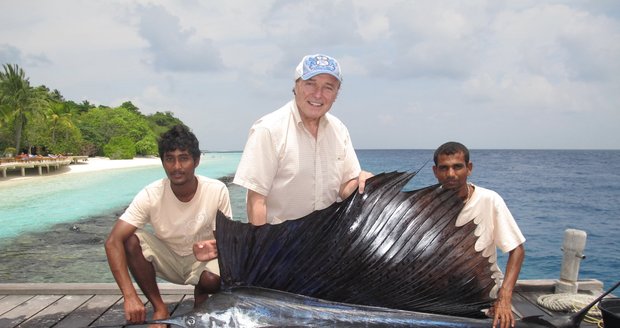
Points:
[(386, 247)]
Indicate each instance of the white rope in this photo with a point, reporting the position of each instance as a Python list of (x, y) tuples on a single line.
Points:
[(568, 302)]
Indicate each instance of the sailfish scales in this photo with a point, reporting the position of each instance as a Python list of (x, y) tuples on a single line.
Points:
[(386, 247)]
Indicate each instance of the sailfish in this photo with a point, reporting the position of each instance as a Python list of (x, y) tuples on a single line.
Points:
[(384, 258), (385, 247)]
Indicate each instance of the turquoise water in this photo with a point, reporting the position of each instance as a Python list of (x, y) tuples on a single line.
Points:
[(48, 200), (547, 192)]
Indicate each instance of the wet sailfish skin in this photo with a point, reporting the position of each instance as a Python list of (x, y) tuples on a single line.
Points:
[(249, 307), (387, 247), (385, 258), (259, 307)]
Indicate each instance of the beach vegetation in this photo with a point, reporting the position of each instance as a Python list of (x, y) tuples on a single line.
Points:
[(147, 146), (9, 152), (100, 125), (120, 147), (161, 122), (19, 101), (55, 128), (128, 105), (38, 120)]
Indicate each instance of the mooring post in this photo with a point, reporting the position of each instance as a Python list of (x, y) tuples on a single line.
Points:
[(573, 247)]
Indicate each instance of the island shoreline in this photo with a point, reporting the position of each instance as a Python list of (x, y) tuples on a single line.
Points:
[(93, 164)]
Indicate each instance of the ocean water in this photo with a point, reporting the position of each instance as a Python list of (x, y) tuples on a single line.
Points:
[(52, 228), (48, 200)]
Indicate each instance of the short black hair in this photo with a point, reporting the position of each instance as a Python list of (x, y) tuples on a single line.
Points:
[(451, 148), (181, 138)]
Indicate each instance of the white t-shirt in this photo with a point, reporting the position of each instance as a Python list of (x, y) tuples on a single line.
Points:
[(296, 172), (496, 228), (176, 223)]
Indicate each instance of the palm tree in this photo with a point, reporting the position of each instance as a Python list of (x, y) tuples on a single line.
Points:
[(59, 116), (18, 100)]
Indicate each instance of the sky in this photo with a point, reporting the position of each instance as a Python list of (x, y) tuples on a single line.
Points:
[(491, 74)]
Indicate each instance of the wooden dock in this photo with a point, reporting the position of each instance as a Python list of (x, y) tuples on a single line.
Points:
[(74, 305), (37, 163)]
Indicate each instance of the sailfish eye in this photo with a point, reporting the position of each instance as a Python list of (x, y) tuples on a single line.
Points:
[(190, 321)]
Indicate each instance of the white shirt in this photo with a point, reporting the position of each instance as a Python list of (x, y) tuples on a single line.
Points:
[(176, 223), (496, 227), (296, 172)]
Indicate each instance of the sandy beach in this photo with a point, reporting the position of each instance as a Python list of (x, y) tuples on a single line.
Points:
[(91, 165), (104, 163)]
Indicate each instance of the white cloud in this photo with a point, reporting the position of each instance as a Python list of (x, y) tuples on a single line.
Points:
[(174, 48), (12, 55), (417, 72)]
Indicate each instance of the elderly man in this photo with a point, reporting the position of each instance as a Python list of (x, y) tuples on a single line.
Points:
[(300, 158)]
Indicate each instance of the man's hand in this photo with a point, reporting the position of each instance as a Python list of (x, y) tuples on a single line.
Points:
[(135, 312), (205, 250), (160, 315), (502, 308), (502, 311), (347, 188), (361, 180)]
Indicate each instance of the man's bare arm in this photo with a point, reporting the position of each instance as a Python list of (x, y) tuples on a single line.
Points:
[(257, 208), (115, 250), (503, 305)]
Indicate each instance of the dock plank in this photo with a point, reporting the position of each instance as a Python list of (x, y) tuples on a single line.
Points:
[(89, 312), (70, 305), (113, 316), (8, 302), (56, 311), (525, 307), (26, 310), (116, 314)]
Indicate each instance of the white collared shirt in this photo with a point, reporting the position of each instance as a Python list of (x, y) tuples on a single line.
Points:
[(296, 172)]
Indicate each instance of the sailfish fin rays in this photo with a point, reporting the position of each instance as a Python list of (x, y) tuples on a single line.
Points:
[(386, 247)]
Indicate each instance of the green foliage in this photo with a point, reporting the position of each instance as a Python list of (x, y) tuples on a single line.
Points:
[(54, 129), (38, 116), (10, 152), (131, 107), (162, 122), (69, 142), (100, 125), (147, 146), (120, 148), (84, 107), (6, 136), (19, 102)]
